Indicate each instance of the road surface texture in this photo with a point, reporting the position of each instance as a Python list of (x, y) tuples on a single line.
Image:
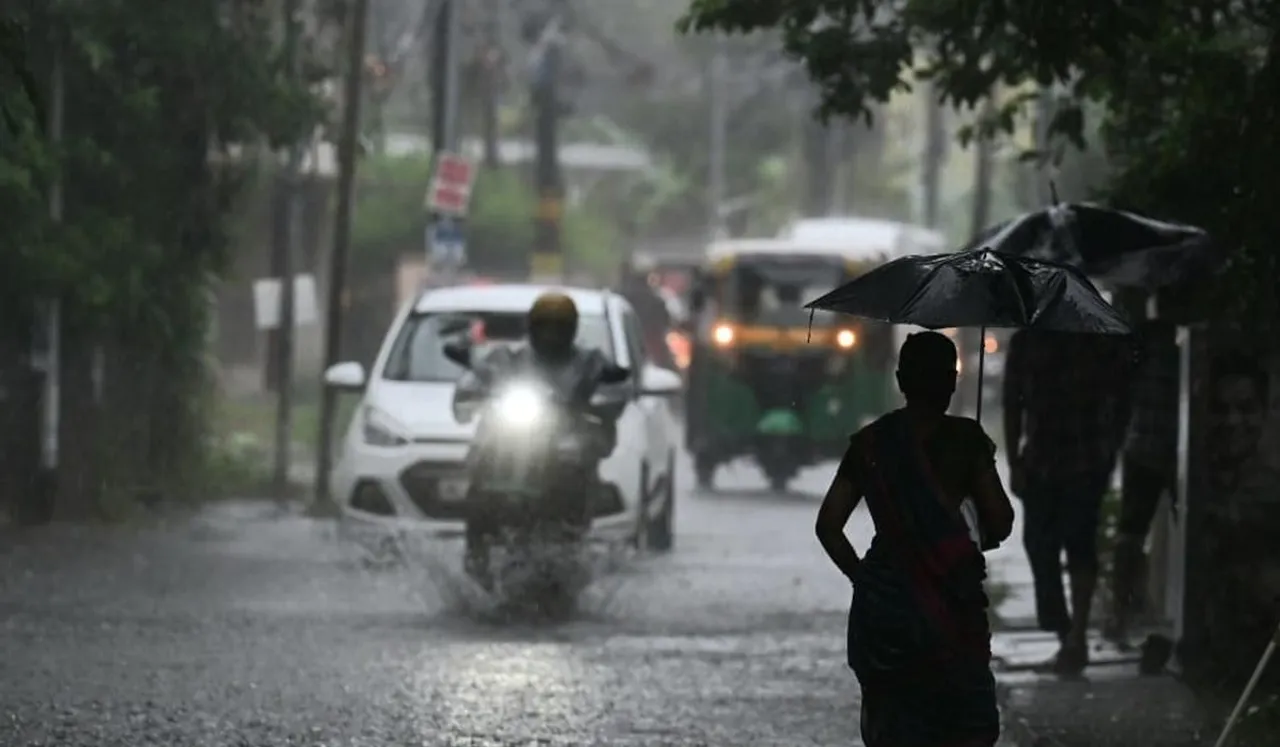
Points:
[(241, 629)]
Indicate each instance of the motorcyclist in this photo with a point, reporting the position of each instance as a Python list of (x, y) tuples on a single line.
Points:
[(551, 354)]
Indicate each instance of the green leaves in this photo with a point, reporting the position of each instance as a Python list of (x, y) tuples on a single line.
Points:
[(1190, 92), (150, 92)]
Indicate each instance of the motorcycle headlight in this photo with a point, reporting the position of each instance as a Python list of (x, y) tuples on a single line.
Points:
[(380, 430), (520, 407)]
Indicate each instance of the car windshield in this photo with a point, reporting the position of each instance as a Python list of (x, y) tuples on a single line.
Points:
[(773, 291), (418, 353)]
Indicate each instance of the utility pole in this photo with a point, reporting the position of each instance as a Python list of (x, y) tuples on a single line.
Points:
[(1045, 163), (983, 151), (717, 98), (837, 142), (490, 78), (348, 140), (548, 255), (52, 394), (286, 238), (934, 155), (444, 97), (444, 78)]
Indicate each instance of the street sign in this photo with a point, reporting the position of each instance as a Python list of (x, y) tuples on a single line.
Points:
[(446, 244), (267, 302), (450, 190)]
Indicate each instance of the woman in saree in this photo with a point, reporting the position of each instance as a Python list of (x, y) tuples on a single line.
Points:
[(919, 640)]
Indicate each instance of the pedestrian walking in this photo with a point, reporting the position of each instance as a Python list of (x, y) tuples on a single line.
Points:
[(1066, 406), (919, 639)]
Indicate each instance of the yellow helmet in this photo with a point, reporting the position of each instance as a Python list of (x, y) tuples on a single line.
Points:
[(553, 307), (553, 325)]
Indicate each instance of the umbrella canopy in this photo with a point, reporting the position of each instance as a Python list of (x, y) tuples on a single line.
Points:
[(982, 288), (1115, 246)]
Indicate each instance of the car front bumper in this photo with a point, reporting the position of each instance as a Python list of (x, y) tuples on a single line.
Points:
[(419, 486)]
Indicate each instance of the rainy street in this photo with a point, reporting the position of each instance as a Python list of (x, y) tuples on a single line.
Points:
[(240, 628)]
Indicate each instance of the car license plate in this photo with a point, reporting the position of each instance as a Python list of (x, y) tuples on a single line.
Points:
[(453, 489)]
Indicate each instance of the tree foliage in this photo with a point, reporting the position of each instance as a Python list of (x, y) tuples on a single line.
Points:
[(160, 102), (150, 93), (1190, 91)]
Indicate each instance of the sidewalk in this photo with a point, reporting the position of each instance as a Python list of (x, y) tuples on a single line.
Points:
[(1112, 705), (1116, 708)]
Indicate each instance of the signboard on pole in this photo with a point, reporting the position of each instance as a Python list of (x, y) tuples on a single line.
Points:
[(450, 190), (446, 245), (267, 302)]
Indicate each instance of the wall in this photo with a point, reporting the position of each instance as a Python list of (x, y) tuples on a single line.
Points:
[(1231, 485)]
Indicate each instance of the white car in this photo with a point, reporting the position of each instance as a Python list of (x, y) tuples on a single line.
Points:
[(402, 461)]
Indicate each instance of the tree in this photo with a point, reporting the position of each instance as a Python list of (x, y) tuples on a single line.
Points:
[(156, 96), (1177, 80)]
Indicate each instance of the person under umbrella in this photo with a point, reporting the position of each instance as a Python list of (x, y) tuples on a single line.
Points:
[(918, 638), (1066, 404), (1135, 254)]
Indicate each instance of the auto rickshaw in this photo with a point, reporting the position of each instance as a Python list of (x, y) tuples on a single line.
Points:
[(770, 381)]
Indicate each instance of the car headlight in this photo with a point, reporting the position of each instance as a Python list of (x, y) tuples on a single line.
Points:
[(520, 406), (380, 430)]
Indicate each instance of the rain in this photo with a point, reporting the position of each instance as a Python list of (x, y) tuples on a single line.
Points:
[(580, 372)]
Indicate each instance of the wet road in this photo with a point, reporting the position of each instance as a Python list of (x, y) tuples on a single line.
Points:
[(243, 630)]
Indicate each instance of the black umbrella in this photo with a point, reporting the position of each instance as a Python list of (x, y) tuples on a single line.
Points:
[(981, 288), (1118, 247)]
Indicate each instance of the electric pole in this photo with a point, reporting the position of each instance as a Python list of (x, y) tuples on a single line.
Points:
[(347, 143), (286, 236), (491, 66), (51, 412), (444, 104), (1044, 111), (837, 142), (444, 78), (934, 155), (717, 96), (548, 255)]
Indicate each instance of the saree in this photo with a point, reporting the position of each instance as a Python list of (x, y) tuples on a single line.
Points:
[(918, 638)]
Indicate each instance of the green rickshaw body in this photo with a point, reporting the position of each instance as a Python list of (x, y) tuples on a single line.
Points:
[(769, 381)]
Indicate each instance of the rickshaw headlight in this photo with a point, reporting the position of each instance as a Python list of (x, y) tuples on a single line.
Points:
[(723, 335), (846, 339)]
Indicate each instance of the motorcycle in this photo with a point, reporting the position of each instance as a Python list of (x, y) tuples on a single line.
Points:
[(533, 468)]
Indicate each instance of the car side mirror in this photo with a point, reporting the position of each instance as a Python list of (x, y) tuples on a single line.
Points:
[(349, 376), (458, 352), (660, 382)]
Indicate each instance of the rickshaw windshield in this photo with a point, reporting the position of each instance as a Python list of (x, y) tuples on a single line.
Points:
[(772, 292)]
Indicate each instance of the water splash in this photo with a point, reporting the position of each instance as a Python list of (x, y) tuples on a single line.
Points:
[(431, 572)]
